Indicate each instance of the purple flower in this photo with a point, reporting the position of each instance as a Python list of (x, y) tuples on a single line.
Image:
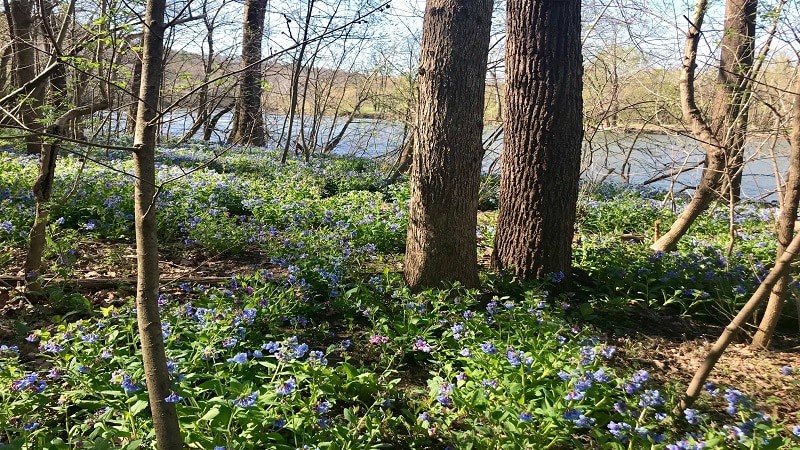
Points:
[(608, 352), (378, 339), (317, 357), (691, 416), (444, 400), (488, 348), (583, 385), (465, 352), (651, 398), (286, 387), (240, 358), (734, 398), (421, 345), (787, 371), (173, 398), (619, 429), (525, 417), (796, 430), (30, 426), (246, 401)]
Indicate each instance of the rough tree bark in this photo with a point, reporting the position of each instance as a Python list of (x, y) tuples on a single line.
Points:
[(165, 419), (22, 26), (543, 132), (445, 174), (249, 123), (716, 148), (732, 94), (785, 231)]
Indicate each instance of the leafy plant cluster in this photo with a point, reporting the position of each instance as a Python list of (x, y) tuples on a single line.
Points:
[(329, 350), (702, 278)]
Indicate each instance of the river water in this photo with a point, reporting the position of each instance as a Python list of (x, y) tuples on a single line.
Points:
[(607, 155)]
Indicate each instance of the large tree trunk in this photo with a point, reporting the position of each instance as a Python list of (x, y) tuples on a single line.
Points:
[(732, 95), (543, 132), (718, 157), (445, 174), (785, 232), (165, 418), (249, 123), (25, 67)]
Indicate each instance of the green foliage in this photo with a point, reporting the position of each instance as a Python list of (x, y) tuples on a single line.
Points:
[(330, 350)]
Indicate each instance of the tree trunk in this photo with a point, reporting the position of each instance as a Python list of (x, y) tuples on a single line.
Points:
[(136, 81), (720, 158), (25, 67), (543, 132), (165, 418), (785, 231), (249, 123), (732, 95), (715, 165), (445, 174)]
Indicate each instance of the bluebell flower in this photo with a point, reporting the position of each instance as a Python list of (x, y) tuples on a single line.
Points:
[(525, 417), (574, 395), (246, 401), (240, 358), (600, 376), (424, 417), (488, 348), (286, 387), (796, 431), (691, 416), (317, 357), (608, 351), (465, 352), (734, 397), (583, 385), (173, 398), (651, 398), (444, 400), (30, 426), (279, 423), (421, 345), (619, 429), (787, 371)]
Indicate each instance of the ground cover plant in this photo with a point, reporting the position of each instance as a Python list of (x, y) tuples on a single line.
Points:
[(321, 346)]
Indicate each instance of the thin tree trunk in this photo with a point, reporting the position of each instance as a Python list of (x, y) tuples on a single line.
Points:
[(165, 419), (43, 189), (136, 81), (785, 231), (711, 180), (543, 132), (249, 123), (445, 175)]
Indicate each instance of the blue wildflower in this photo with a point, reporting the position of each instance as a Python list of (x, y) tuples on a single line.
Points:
[(286, 387), (173, 398), (240, 358), (488, 348), (246, 401)]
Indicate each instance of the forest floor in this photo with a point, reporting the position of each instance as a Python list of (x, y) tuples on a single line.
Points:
[(287, 321)]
